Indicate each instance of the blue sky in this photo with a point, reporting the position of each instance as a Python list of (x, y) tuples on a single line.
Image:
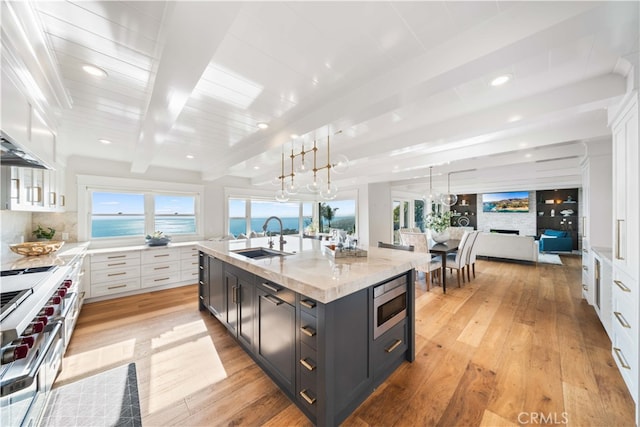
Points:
[(130, 203)]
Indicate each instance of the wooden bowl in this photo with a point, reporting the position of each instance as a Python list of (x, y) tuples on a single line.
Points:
[(36, 248)]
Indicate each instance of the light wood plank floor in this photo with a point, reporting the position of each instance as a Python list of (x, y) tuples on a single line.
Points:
[(516, 346)]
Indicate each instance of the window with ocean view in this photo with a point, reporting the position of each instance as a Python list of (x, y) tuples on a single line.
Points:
[(175, 214), (117, 214)]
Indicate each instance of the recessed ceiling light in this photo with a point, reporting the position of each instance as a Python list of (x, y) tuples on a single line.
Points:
[(104, 141), (528, 155), (515, 118), (189, 156), (263, 125), (256, 167), (94, 71), (295, 136), (500, 80)]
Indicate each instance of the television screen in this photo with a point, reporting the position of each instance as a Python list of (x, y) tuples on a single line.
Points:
[(512, 201)]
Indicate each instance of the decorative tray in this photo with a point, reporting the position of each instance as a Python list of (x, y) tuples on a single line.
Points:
[(336, 252), (36, 248)]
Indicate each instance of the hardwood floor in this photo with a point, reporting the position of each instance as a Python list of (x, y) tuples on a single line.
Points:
[(516, 346)]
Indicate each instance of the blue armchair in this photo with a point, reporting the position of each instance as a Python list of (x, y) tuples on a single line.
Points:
[(555, 240)]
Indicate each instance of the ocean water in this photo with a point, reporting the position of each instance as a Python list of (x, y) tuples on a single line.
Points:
[(238, 225), (134, 226)]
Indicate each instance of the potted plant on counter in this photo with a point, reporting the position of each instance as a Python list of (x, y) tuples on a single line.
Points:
[(439, 224), (42, 234)]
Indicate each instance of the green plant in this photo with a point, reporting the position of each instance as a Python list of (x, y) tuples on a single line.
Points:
[(438, 222), (328, 213), (41, 233)]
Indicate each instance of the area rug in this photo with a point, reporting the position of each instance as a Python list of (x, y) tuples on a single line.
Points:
[(549, 258), (109, 398)]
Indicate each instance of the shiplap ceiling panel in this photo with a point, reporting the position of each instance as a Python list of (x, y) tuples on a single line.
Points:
[(407, 81)]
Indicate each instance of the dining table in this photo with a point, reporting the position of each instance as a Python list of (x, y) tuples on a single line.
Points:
[(443, 249)]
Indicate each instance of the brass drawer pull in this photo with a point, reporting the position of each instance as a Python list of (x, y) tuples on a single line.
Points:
[(585, 268), (308, 303), (272, 299), (116, 263), (116, 287), (160, 280), (161, 268), (117, 274), (585, 251), (622, 320), (585, 287), (307, 365), (308, 331), (160, 256), (116, 256), (310, 400), (393, 346), (618, 237), (621, 286), (621, 359)]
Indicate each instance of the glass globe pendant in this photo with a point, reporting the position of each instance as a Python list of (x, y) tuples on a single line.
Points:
[(449, 199)]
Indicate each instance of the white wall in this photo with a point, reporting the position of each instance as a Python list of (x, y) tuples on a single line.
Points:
[(375, 205), (525, 223)]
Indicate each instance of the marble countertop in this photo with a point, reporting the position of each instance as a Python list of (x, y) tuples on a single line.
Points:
[(138, 248), (310, 270), (63, 256), (605, 253)]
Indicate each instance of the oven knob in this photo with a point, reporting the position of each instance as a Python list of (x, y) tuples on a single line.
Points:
[(47, 311), (28, 341), (34, 328), (13, 353), (55, 300), (67, 283), (62, 292), (43, 319)]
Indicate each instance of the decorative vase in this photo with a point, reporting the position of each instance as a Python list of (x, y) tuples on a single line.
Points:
[(440, 237)]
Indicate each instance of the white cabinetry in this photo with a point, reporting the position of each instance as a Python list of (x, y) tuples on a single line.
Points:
[(138, 269), (35, 190), (114, 272), (626, 242), (602, 285)]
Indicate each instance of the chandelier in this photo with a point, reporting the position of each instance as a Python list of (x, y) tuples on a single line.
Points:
[(327, 190)]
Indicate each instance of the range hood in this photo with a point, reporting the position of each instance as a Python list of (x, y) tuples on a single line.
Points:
[(14, 155)]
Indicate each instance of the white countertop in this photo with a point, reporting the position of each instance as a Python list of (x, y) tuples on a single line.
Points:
[(63, 256), (310, 271), (604, 253), (138, 248)]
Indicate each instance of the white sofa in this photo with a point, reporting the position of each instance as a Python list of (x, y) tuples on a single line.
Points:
[(508, 246)]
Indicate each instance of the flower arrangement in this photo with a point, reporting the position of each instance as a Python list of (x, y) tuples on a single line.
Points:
[(158, 238), (41, 233), (438, 222)]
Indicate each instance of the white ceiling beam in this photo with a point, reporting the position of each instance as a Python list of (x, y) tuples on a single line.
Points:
[(195, 30)]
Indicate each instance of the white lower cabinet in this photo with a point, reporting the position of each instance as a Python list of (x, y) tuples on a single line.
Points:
[(138, 270)]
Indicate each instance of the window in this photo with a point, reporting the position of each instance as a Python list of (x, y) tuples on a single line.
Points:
[(237, 216), (289, 213), (340, 214), (175, 214), (117, 214)]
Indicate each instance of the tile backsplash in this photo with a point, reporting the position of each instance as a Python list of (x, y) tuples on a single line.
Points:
[(62, 222), (16, 227)]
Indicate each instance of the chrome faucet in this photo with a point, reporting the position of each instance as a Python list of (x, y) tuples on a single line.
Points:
[(264, 228)]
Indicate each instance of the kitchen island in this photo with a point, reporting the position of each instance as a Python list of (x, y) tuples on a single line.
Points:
[(327, 330)]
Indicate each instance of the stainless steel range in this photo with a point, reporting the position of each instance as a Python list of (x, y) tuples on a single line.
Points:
[(38, 309)]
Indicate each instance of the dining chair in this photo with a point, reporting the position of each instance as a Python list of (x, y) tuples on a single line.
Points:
[(457, 261), (471, 258), (420, 243)]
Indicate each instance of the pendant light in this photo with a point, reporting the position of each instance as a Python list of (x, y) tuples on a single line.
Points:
[(448, 199), (281, 194), (432, 196)]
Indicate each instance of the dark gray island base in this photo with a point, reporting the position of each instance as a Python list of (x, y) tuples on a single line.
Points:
[(322, 355)]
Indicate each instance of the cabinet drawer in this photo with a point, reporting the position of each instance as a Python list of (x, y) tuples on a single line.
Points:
[(115, 256), (115, 264), (165, 278), (308, 364), (115, 287), (190, 264), (309, 305), (308, 330), (279, 291), (625, 355), (624, 315), (189, 252), (189, 276), (160, 255), (160, 268), (307, 394), (113, 274), (389, 347)]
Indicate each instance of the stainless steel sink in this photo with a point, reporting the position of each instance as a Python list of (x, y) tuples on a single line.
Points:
[(259, 253)]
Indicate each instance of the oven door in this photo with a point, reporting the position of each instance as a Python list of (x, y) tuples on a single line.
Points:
[(389, 309), (24, 406)]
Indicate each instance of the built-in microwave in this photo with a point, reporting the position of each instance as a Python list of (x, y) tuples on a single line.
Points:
[(389, 305)]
